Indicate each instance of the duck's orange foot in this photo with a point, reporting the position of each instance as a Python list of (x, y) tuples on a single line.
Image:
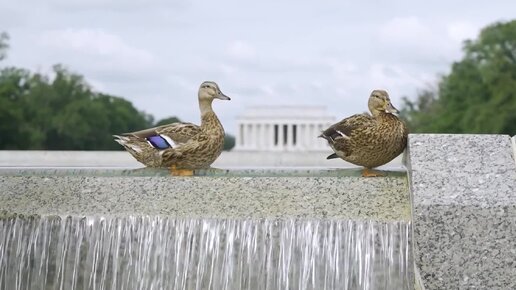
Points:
[(181, 172), (371, 173)]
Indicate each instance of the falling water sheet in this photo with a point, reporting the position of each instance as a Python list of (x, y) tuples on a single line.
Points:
[(155, 252)]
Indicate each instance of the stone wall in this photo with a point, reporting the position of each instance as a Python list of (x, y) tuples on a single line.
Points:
[(463, 190), (462, 197)]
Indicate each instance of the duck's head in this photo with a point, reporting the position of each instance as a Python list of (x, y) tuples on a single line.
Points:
[(210, 90), (379, 101)]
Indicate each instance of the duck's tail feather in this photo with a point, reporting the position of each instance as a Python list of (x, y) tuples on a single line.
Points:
[(328, 138), (332, 156), (125, 141)]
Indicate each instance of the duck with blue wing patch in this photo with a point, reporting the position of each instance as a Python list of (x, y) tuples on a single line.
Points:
[(181, 146)]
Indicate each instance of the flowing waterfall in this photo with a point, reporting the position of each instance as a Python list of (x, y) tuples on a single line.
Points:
[(155, 252)]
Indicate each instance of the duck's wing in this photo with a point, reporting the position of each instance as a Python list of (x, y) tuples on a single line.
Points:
[(345, 128), (180, 132), (150, 145), (341, 136), (177, 132)]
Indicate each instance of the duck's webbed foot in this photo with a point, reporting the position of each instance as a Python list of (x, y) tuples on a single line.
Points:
[(174, 171), (368, 172)]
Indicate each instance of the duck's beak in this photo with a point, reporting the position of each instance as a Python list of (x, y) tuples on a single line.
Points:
[(390, 109), (221, 96)]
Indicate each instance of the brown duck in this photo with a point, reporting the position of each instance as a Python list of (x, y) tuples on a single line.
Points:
[(181, 146), (369, 141)]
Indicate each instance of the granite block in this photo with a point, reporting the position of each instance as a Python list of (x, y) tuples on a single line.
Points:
[(348, 197), (463, 190)]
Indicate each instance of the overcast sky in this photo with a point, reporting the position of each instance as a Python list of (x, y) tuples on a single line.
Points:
[(156, 52)]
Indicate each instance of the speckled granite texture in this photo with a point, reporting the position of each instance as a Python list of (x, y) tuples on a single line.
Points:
[(464, 210), (382, 199)]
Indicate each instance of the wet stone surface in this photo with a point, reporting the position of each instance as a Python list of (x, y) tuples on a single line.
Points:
[(328, 195), (224, 229)]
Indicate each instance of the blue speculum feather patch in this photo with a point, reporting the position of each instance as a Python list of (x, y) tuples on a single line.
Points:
[(158, 142)]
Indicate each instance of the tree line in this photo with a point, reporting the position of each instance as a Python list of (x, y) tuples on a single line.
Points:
[(63, 112), (478, 95)]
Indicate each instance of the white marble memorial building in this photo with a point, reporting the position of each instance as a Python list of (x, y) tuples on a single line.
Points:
[(282, 128)]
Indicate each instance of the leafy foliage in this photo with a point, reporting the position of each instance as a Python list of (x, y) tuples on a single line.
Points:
[(229, 142), (479, 95), (4, 37), (37, 112), (167, 120), (63, 112)]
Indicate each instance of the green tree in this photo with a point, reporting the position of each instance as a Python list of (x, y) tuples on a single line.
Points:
[(229, 142), (167, 120), (420, 113), (14, 85), (63, 112), (4, 37), (38, 112), (479, 94)]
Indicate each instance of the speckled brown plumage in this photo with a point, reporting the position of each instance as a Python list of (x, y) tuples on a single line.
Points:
[(194, 146), (366, 140)]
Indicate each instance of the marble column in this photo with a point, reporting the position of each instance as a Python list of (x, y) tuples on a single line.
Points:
[(318, 128), (262, 137), (311, 133), (273, 136), (256, 136), (308, 136), (244, 135), (263, 140), (251, 136), (265, 136), (240, 136), (273, 130), (302, 136)]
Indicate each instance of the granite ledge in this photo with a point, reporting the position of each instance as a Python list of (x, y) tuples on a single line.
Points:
[(382, 199)]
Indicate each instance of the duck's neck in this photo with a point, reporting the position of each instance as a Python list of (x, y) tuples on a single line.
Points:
[(377, 113), (205, 107), (384, 116), (209, 120)]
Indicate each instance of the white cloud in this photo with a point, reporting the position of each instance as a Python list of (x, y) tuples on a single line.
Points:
[(404, 31), (417, 42), (241, 50), (460, 31), (96, 44), (385, 75), (157, 53), (116, 5)]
